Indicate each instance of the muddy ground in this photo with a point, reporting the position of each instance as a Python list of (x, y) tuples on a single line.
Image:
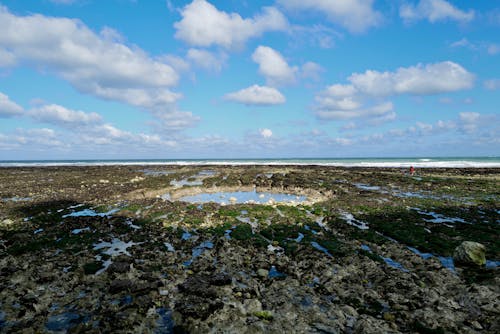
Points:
[(353, 250)]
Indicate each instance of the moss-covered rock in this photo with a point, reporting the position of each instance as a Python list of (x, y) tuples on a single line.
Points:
[(470, 253)]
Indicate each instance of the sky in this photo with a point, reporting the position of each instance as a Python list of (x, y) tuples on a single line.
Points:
[(159, 79)]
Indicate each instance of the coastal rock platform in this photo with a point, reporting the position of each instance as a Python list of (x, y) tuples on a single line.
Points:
[(328, 250)]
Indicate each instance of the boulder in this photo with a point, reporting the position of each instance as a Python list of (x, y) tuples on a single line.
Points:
[(470, 253)]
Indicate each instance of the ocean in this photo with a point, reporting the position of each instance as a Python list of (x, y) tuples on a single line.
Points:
[(417, 162)]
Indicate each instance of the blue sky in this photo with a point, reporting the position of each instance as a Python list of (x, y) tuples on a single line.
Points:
[(88, 79)]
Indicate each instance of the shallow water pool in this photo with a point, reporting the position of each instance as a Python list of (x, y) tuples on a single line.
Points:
[(243, 197)]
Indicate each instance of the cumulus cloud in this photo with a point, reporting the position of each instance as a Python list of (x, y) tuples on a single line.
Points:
[(206, 59), (59, 115), (354, 15), (175, 120), (273, 66), (492, 84), (434, 11), (360, 98), (96, 64), (414, 80), (257, 95), (8, 108), (378, 113), (202, 24), (266, 133), (7, 59), (311, 70)]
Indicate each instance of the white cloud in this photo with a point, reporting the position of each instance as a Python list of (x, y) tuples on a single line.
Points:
[(492, 84), (7, 59), (354, 15), (204, 25), (434, 11), (257, 95), (62, 116), (206, 59), (273, 66), (266, 133), (378, 113), (8, 108), (311, 70), (175, 120), (414, 80), (361, 97), (96, 64)]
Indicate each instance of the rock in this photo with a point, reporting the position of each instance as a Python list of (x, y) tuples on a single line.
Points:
[(137, 179), (262, 272), (470, 253), (119, 267), (7, 222), (197, 307), (264, 315), (119, 285), (389, 317)]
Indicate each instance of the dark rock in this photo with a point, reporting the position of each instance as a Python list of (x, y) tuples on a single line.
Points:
[(119, 285), (197, 307), (119, 267)]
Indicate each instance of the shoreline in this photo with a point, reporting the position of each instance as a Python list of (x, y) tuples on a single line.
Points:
[(374, 165)]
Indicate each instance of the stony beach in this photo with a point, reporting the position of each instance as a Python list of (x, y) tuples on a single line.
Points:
[(248, 249)]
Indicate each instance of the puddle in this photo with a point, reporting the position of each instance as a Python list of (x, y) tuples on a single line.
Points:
[(91, 213), (299, 238), (368, 187), (274, 273), (245, 197), (439, 218), (114, 248), (165, 324), (132, 225), (275, 249), (198, 250), (366, 248), (447, 262), (425, 256), (63, 322), (391, 263), (207, 172), (186, 235), (492, 264), (152, 172), (80, 230), (227, 234), (194, 180), (186, 182), (308, 228), (40, 230), (169, 247), (17, 199), (349, 219), (320, 248)]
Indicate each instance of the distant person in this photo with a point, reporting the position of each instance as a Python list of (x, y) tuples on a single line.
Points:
[(412, 170)]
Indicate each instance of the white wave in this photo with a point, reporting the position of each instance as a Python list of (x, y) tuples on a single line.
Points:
[(390, 163)]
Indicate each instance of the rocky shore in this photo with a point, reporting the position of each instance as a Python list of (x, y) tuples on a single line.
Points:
[(254, 249)]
